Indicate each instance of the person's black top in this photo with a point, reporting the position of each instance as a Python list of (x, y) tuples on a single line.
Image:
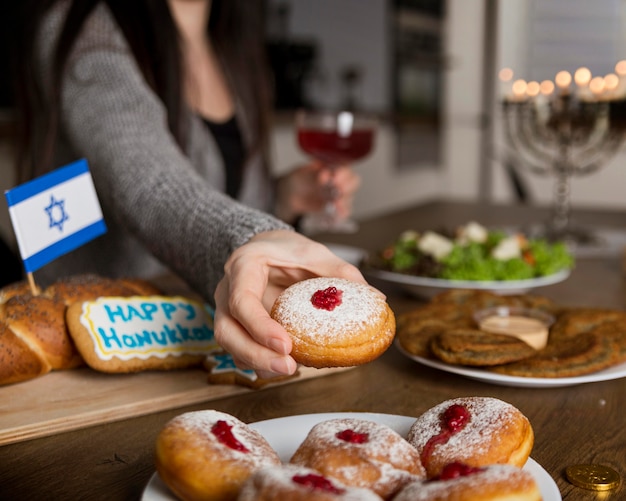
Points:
[(228, 138)]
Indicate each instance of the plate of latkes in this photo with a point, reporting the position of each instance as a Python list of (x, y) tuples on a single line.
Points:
[(428, 287), (520, 340), (615, 372), (286, 434)]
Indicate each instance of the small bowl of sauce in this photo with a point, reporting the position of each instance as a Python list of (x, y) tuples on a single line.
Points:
[(531, 326)]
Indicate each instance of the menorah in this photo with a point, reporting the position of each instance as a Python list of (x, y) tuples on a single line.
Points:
[(564, 134)]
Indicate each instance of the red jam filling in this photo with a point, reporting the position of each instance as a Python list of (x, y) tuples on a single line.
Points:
[(453, 420), (317, 482), (327, 299), (353, 437), (222, 430), (455, 470)]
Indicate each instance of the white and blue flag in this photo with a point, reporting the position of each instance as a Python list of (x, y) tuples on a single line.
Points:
[(55, 214)]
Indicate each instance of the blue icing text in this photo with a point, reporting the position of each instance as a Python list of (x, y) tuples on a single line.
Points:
[(147, 310), (166, 336)]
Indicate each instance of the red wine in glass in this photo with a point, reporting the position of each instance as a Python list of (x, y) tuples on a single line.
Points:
[(331, 148), (334, 138)]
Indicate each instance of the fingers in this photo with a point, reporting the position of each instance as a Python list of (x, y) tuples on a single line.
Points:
[(267, 352)]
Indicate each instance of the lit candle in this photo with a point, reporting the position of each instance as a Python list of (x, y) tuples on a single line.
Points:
[(596, 85), (542, 100), (582, 77), (611, 84), (519, 90), (546, 87), (532, 89), (506, 78), (563, 80)]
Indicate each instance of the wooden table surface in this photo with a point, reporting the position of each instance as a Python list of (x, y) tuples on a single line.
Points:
[(577, 424)]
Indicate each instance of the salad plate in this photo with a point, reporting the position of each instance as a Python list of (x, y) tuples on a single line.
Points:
[(472, 257), (428, 287), (285, 434)]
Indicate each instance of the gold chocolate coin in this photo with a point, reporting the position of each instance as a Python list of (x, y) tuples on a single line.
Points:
[(595, 477)]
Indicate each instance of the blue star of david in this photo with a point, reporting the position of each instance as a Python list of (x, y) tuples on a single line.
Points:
[(56, 213)]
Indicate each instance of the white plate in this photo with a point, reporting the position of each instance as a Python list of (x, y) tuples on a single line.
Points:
[(352, 255), (615, 372), (285, 434), (427, 287)]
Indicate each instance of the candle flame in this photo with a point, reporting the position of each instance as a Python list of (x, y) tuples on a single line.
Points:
[(533, 89), (597, 85), (519, 87), (563, 79), (547, 87), (611, 81), (505, 74), (582, 76)]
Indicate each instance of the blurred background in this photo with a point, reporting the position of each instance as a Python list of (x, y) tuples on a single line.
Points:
[(429, 69)]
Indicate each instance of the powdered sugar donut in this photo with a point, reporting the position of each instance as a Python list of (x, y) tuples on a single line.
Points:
[(477, 431), (209, 454), (298, 483), (463, 483), (360, 453), (334, 322)]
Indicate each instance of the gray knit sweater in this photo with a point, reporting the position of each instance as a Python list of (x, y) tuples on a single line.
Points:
[(164, 208)]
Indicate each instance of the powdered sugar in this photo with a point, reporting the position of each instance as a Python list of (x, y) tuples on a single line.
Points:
[(198, 425), (359, 304), (389, 455), (509, 480), (488, 416), (279, 481)]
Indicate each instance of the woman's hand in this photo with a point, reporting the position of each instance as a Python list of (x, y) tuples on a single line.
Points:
[(304, 190), (255, 274)]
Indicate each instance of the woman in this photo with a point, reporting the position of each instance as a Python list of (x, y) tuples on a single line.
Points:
[(169, 102)]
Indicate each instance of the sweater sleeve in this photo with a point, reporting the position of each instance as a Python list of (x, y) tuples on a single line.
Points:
[(144, 181)]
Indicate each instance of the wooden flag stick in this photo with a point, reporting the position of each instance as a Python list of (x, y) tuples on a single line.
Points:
[(31, 282)]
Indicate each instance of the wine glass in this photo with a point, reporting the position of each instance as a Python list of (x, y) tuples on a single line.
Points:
[(334, 138)]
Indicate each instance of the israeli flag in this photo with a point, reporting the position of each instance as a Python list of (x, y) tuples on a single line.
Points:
[(55, 214)]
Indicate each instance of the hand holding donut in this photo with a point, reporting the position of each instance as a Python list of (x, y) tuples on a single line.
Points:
[(255, 275)]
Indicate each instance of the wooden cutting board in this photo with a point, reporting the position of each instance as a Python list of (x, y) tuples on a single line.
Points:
[(69, 400)]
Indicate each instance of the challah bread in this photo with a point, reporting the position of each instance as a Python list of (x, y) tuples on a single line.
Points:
[(34, 338), (16, 289), (18, 360), (40, 322)]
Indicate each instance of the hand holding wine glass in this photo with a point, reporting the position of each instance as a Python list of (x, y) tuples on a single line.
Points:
[(334, 138)]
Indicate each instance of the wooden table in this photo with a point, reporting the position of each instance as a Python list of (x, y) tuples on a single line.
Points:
[(578, 424)]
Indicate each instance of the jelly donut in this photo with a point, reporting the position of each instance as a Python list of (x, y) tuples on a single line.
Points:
[(477, 431), (208, 455), (460, 482), (334, 322), (298, 483), (360, 453)]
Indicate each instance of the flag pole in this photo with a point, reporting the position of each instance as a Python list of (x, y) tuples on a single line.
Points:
[(31, 281)]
